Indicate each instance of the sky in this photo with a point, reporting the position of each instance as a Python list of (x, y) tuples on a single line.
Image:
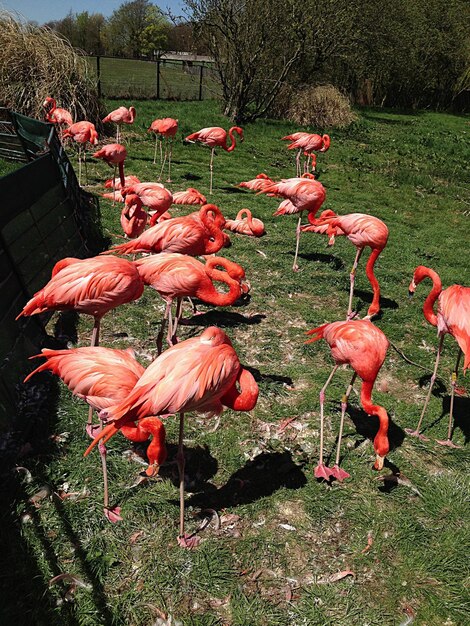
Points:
[(42, 11)]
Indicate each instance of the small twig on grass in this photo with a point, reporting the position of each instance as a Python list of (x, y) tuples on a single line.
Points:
[(405, 358)]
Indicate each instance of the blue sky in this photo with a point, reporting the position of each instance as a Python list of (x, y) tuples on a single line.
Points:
[(46, 10)]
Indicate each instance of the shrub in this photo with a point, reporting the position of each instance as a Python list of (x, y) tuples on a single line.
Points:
[(323, 107), (35, 63)]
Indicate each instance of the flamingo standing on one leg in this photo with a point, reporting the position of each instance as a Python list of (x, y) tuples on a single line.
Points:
[(363, 346), (194, 235), (249, 225), (453, 317), (119, 116), (165, 130), (301, 194), (104, 377), (199, 374), (82, 133), (307, 143), (215, 137), (362, 230), (114, 154), (176, 276), (56, 115)]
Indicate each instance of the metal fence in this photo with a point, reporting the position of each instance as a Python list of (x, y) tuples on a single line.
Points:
[(162, 79)]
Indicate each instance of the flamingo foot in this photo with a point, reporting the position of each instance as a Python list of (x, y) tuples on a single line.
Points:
[(339, 473), (351, 315), (112, 514), (93, 429), (189, 541), (415, 433), (322, 471), (295, 268), (448, 443)]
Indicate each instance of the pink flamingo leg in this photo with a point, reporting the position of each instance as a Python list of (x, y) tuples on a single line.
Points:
[(80, 165), (155, 151), (178, 314), (297, 162), (211, 167), (169, 161), (163, 162), (185, 541), (448, 441), (162, 328), (295, 267), (416, 433), (352, 277), (337, 472), (322, 471)]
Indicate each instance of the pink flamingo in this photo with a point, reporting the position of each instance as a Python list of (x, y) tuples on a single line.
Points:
[(119, 116), (215, 137), (103, 377), (153, 195), (82, 133), (189, 197), (114, 154), (133, 217), (188, 235), (363, 231), (307, 143), (251, 226), (165, 130), (257, 184), (199, 374), (452, 317), (55, 115), (176, 276), (301, 194), (363, 346)]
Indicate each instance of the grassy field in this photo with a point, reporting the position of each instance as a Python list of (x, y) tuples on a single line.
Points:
[(130, 77), (284, 536)]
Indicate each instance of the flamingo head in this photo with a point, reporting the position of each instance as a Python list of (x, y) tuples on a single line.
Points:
[(48, 102)]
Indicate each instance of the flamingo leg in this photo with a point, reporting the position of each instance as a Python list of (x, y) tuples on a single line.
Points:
[(297, 163), (155, 151), (114, 185), (416, 433), (86, 167), (95, 339), (321, 470), (163, 163), (162, 328), (80, 165), (180, 462), (178, 314), (295, 267), (352, 277), (169, 161), (338, 473), (448, 441), (169, 336), (211, 167)]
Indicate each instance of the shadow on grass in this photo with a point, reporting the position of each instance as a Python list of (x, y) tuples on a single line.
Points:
[(366, 296), (335, 262), (368, 425), (269, 379), (461, 410), (265, 474), (224, 319), (233, 190), (191, 176)]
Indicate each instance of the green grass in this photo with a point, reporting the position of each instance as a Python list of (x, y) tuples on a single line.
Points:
[(411, 170)]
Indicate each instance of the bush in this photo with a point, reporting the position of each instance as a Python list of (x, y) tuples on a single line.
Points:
[(322, 107), (35, 63)]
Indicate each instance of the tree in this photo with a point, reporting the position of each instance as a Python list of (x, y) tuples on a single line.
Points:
[(83, 30), (137, 27)]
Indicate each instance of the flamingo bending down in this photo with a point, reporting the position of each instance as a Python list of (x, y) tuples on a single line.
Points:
[(362, 230), (189, 197), (215, 137), (164, 129), (189, 235), (133, 217), (249, 225), (453, 317), (114, 154), (82, 133), (257, 184), (307, 143), (176, 276), (199, 374), (363, 346), (153, 195), (55, 115), (119, 116), (104, 377), (301, 194), (111, 183)]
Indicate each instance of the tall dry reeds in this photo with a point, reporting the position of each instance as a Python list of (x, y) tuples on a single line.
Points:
[(35, 63)]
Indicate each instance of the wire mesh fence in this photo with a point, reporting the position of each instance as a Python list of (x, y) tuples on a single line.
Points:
[(165, 79)]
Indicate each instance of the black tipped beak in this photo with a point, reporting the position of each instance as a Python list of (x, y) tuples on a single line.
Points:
[(410, 293)]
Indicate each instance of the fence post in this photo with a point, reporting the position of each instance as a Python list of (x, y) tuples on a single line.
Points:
[(201, 74), (158, 78), (98, 74)]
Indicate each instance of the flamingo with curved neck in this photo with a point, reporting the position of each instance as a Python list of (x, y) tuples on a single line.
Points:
[(452, 317), (215, 137), (156, 452), (133, 216), (56, 115), (114, 154), (121, 115), (176, 276), (249, 225)]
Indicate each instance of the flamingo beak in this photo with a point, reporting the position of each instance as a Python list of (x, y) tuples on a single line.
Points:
[(411, 289), (245, 285), (379, 462), (152, 470)]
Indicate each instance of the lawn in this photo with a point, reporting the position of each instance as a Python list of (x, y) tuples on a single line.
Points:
[(285, 539)]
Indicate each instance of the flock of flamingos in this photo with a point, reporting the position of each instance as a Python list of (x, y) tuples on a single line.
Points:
[(204, 373)]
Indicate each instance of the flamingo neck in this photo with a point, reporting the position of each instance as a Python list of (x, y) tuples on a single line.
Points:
[(213, 226), (232, 140), (246, 398), (428, 307), (381, 443), (132, 114), (121, 173), (209, 293), (375, 306)]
